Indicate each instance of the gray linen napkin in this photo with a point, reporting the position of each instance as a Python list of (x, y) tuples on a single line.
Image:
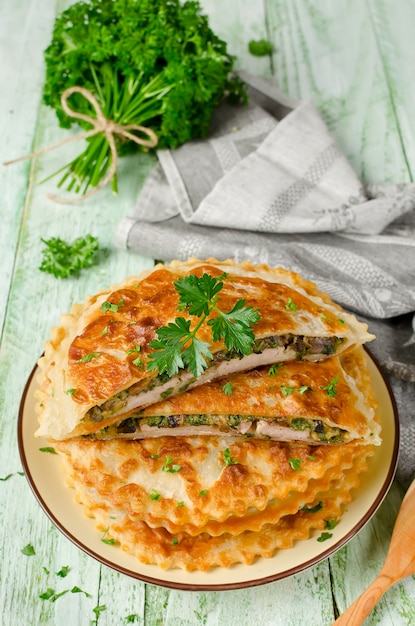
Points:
[(271, 186)]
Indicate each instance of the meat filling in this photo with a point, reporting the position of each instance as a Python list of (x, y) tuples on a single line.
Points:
[(223, 363), (282, 429)]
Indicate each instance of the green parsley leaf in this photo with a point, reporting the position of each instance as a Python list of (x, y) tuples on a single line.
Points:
[(138, 362), (99, 609), (324, 537), (304, 388), (28, 550), (331, 387), (4, 478), (169, 466), (227, 458), (70, 392), (260, 47), (331, 523), (131, 619), (63, 572), (110, 306), (88, 357), (227, 388), (177, 345), (62, 259), (286, 390), (154, 495), (274, 369), (295, 464), (312, 509), (104, 539), (77, 589), (174, 541), (180, 504), (136, 348), (204, 492), (47, 595), (290, 305), (48, 449)]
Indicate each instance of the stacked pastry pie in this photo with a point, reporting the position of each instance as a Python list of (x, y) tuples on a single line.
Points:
[(208, 412)]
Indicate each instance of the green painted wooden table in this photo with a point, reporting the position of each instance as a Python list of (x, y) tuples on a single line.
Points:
[(355, 60)]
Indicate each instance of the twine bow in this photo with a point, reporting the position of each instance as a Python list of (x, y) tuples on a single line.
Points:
[(100, 124)]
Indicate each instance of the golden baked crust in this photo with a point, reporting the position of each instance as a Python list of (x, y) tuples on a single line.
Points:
[(90, 356), (139, 476), (201, 551)]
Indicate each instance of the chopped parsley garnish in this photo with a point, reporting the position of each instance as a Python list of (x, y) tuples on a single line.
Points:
[(48, 449), (227, 388), (70, 392), (88, 357), (260, 47), (28, 550), (331, 523), (274, 369), (138, 362), (50, 594), (154, 495), (295, 464), (312, 509), (132, 618), (77, 589), (174, 541), (180, 504), (286, 390), (227, 458), (169, 466), (204, 492), (63, 572), (177, 345), (324, 537), (304, 388), (99, 609), (104, 539), (136, 348), (331, 387), (109, 306), (290, 305), (62, 259)]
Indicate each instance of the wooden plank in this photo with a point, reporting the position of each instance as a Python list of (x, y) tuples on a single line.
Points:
[(21, 77), (288, 602), (391, 23), (327, 52)]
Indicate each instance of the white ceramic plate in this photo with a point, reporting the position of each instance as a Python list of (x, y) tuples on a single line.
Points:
[(47, 482)]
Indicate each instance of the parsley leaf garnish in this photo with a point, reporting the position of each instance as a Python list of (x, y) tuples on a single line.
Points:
[(227, 458), (28, 550), (312, 509), (227, 388), (331, 387), (295, 464), (177, 345), (169, 466), (324, 537), (62, 259), (286, 390), (48, 449)]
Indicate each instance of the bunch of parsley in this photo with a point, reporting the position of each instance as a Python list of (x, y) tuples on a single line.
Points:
[(154, 63)]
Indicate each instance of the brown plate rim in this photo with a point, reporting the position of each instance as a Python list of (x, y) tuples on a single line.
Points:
[(222, 586)]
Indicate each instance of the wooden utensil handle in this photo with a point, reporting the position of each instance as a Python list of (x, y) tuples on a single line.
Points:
[(361, 607)]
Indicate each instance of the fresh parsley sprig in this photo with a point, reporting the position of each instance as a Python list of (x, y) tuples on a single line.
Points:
[(177, 345), (62, 259)]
